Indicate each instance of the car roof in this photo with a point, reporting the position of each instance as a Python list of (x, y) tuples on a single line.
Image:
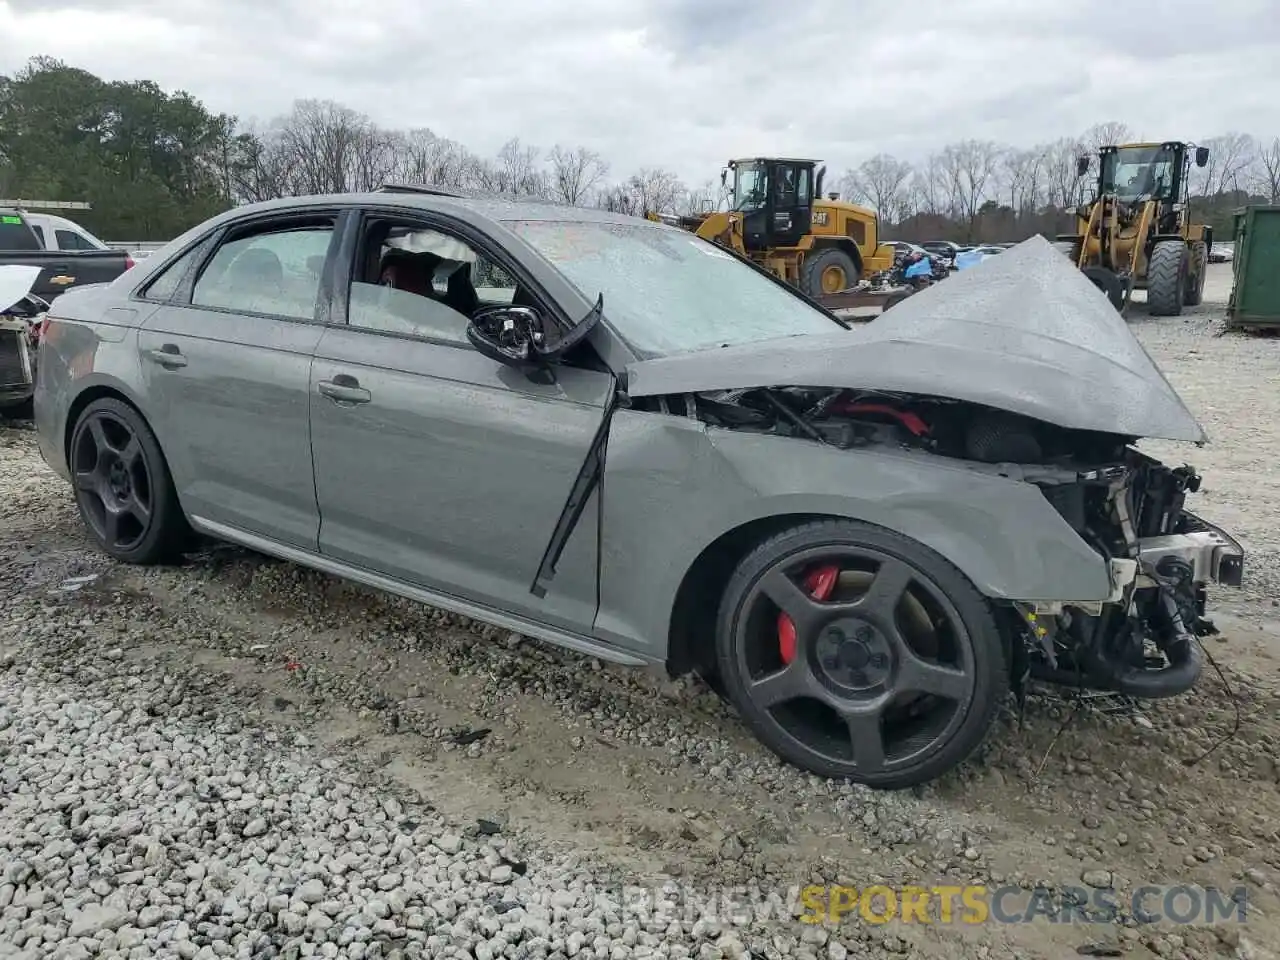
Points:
[(485, 207)]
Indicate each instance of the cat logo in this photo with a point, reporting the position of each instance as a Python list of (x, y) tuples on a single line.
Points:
[(820, 218), (62, 279)]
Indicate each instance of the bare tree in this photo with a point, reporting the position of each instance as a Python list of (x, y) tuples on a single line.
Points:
[(655, 190), (515, 172), (328, 148), (619, 199), (927, 192), (424, 158), (1268, 176), (1063, 186), (1023, 172), (1107, 134), (1231, 159), (705, 199), (880, 183), (575, 171), (967, 168)]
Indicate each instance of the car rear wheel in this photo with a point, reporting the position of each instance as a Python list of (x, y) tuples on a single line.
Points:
[(854, 652), (122, 485)]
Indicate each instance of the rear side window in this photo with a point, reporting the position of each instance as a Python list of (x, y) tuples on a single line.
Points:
[(16, 235), (70, 240), (166, 282), (273, 272)]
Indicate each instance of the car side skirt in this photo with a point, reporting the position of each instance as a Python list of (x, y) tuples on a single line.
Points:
[(443, 601)]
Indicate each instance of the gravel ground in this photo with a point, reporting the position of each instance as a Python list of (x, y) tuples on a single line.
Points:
[(241, 758)]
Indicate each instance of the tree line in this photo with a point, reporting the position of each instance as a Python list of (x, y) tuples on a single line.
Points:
[(154, 163)]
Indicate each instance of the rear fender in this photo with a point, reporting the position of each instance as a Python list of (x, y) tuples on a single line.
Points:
[(74, 360)]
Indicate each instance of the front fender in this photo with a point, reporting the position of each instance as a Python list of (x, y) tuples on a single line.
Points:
[(673, 486)]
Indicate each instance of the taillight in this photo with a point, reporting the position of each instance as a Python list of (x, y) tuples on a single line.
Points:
[(128, 262), (42, 328)]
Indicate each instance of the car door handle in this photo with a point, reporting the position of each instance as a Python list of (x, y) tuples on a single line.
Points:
[(168, 356), (344, 389)]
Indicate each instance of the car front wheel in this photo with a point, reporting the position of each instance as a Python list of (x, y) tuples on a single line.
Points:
[(854, 652), (122, 485)]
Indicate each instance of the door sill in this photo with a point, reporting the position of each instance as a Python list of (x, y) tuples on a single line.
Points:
[(509, 621)]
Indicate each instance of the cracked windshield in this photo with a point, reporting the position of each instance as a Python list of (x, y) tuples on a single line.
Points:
[(666, 292)]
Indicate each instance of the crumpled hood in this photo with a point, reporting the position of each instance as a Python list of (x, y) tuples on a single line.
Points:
[(1024, 332)]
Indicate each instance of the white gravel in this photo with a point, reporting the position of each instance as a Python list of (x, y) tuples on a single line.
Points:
[(240, 758)]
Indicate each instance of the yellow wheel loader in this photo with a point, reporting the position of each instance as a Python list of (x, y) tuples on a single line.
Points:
[(1137, 233), (779, 219)]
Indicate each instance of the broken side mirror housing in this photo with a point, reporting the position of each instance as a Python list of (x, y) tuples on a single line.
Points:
[(515, 335), (507, 334), (1202, 156), (1082, 165)]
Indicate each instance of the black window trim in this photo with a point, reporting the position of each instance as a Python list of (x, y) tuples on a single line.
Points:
[(142, 292)]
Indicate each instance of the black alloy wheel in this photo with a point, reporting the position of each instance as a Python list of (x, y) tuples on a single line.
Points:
[(122, 485), (855, 652)]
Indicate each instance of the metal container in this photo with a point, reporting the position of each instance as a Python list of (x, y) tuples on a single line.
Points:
[(1255, 295)]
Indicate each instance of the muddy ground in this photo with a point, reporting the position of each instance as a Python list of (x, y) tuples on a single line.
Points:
[(648, 778)]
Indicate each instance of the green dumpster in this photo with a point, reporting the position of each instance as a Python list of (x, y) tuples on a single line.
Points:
[(1255, 295)]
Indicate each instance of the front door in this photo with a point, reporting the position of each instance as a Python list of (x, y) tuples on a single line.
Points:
[(437, 466), (227, 367)]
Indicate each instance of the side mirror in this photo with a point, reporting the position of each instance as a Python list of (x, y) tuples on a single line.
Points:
[(724, 176), (1082, 165), (507, 334), (514, 335), (1202, 156)]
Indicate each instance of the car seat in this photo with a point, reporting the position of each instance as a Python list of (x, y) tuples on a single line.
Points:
[(461, 294), (409, 271)]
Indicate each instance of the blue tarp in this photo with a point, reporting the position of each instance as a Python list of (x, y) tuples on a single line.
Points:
[(969, 258)]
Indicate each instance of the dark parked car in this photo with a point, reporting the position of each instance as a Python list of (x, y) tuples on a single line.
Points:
[(611, 435)]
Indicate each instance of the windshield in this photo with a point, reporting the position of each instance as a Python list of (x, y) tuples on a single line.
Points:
[(1138, 172), (749, 186), (666, 291)]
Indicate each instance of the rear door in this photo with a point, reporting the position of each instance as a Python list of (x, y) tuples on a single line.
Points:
[(437, 466), (226, 365)]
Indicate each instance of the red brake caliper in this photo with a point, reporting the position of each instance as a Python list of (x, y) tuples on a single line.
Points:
[(818, 582)]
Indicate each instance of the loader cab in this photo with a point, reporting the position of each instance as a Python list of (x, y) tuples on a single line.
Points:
[(1149, 171), (775, 198)]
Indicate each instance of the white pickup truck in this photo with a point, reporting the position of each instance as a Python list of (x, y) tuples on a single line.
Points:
[(59, 233)]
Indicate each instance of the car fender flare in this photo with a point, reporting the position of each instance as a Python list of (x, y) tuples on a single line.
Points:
[(94, 385)]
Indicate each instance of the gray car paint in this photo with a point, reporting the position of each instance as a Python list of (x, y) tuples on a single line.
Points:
[(233, 421), (1024, 332), (454, 472), (671, 487)]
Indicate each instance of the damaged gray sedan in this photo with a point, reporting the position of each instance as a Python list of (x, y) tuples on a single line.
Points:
[(610, 435)]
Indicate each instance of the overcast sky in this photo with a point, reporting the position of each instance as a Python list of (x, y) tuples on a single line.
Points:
[(686, 84)]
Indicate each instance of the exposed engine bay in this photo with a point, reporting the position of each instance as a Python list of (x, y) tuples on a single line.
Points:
[(1129, 507)]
